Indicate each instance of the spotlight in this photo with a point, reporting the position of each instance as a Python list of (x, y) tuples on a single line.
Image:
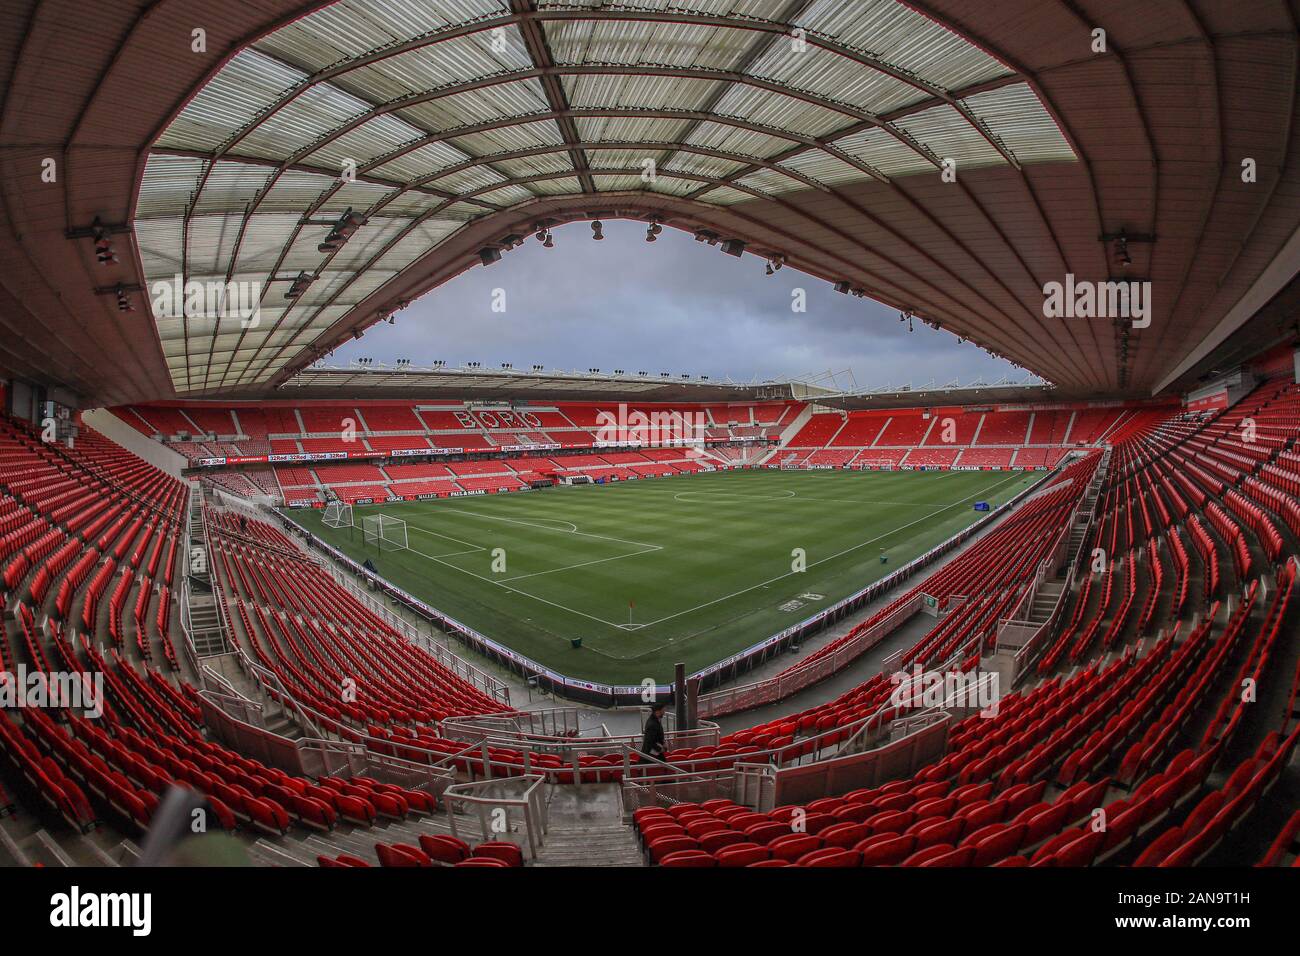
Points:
[(342, 230), (652, 233), (537, 368), (596, 227), (842, 287), (123, 300), (357, 333), (103, 245), (734, 247), (488, 255), (299, 285), (1121, 251)]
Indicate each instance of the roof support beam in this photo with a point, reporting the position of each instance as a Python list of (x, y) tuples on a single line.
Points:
[(539, 51)]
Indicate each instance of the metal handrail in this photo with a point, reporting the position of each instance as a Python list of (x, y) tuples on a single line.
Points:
[(479, 795)]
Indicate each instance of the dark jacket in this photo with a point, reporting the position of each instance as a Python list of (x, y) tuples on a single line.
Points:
[(653, 744)]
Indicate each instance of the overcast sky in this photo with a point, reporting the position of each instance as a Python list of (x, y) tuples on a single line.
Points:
[(674, 306)]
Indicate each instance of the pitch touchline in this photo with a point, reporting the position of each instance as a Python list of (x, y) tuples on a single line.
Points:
[(727, 597), (573, 528), (793, 496), (473, 547), (570, 567), (502, 584)]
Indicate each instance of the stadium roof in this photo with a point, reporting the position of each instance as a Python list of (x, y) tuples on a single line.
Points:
[(813, 130)]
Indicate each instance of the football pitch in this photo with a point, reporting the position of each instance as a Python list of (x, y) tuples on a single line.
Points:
[(691, 568)]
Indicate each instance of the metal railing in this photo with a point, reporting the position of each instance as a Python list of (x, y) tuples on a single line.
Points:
[(496, 801), (557, 730), (789, 682)]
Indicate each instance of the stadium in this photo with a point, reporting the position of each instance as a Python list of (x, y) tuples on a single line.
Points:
[(271, 603)]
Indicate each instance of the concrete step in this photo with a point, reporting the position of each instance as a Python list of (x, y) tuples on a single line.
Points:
[(591, 846)]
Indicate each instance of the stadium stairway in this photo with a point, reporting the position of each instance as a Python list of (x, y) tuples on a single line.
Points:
[(586, 829)]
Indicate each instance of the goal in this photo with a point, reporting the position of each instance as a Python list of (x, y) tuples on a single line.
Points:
[(384, 532), (337, 515), (876, 464)]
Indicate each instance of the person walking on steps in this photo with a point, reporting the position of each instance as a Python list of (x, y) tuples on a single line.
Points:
[(652, 745)]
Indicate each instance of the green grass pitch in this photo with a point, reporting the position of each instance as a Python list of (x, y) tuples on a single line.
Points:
[(689, 568)]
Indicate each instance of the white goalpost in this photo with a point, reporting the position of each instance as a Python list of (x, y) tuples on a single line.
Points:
[(337, 515), (384, 532)]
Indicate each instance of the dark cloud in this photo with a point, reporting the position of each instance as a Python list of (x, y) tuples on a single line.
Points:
[(675, 305)]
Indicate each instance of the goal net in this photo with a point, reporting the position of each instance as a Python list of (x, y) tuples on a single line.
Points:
[(881, 464), (384, 532), (337, 515)]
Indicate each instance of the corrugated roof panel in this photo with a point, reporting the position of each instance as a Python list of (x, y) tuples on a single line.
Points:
[(703, 164), (1019, 118), (950, 136), (230, 187), (824, 168), (507, 195), (211, 242), (630, 41), (904, 38), (360, 146), (815, 70), (620, 158), (350, 28), (782, 112), (295, 190), (671, 185), (725, 196), (363, 286), (167, 185), (884, 152), (421, 162), (301, 122), (366, 243), (732, 139), (557, 187), (359, 195), (630, 129), (264, 238), (532, 165), (542, 132), (620, 184), (475, 177), (245, 86), (472, 107), (770, 181), (638, 92), (438, 65), (159, 242), (416, 243)]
